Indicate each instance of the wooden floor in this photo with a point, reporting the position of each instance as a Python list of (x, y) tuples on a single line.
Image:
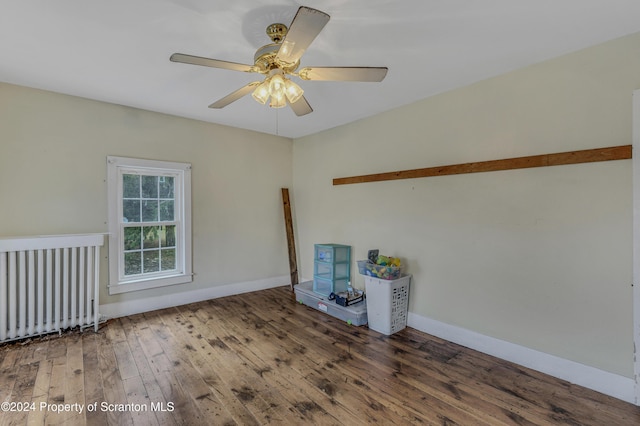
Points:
[(260, 358)]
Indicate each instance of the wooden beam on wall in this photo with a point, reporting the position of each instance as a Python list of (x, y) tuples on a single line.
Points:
[(573, 157)]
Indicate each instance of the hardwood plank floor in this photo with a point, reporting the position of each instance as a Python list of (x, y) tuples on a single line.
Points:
[(261, 358)]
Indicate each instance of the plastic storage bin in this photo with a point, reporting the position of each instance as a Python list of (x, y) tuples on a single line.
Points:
[(379, 271), (332, 253), (332, 268), (355, 314), (331, 271), (387, 303), (326, 287)]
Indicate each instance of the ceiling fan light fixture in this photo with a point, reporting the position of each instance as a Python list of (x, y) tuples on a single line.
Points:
[(278, 100), (279, 88), (276, 84), (261, 94), (293, 91)]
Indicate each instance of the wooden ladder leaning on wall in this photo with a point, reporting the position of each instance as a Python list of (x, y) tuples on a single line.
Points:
[(288, 222)]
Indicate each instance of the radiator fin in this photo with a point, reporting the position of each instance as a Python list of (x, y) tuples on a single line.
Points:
[(48, 284)]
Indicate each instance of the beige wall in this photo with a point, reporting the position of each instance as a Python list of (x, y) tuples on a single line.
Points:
[(540, 257), (53, 152)]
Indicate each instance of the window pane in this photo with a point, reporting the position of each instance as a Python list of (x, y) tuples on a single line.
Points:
[(170, 236), (168, 259), (132, 238), (166, 210), (130, 186), (149, 186), (151, 261), (132, 263), (151, 237), (149, 211), (131, 210), (166, 187)]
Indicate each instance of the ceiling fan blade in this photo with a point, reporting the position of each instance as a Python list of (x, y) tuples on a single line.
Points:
[(304, 28), (232, 97), (373, 74), (301, 107), (207, 62)]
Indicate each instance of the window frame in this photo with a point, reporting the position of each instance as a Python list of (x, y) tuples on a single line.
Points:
[(116, 168)]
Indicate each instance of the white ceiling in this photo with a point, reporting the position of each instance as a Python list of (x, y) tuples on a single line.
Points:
[(118, 50)]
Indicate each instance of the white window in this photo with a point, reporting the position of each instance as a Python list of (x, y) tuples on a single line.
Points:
[(149, 223)]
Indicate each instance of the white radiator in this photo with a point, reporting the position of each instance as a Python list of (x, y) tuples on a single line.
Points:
[(48, 284)]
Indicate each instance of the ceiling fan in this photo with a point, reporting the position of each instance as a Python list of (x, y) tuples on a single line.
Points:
[(281, 59)]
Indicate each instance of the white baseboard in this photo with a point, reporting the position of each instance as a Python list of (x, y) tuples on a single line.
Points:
[(601, 381), (137, 306)]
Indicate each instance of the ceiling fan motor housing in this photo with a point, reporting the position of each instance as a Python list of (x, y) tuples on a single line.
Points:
[(265, 57)]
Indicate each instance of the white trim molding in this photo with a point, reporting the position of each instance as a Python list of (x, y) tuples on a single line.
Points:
[(601, 381), (636, 241), (119, 280), (147, 304)]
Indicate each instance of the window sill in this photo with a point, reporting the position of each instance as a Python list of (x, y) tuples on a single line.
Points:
[(149, 283)]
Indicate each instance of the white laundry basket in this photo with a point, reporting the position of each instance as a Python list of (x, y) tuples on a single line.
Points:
[(387, 303)]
